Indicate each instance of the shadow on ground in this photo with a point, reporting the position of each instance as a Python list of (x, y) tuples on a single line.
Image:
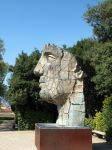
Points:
[(102, 146)]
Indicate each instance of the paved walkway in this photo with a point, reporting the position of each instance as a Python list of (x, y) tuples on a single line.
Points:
[(25, 140), (17, 140)]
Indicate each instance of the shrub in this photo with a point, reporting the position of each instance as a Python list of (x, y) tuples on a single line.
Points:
[(107, 115), (96, 123), (99, 122), (28, 119), (89, 122), (103, 120)]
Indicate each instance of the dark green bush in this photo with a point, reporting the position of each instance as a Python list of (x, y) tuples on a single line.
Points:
[(28, 119), (103, 120), (109, 135), (107, 115)]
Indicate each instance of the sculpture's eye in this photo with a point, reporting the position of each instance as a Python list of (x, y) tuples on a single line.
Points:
[(51, 58)]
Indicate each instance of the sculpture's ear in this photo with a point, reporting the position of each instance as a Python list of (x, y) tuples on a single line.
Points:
[(79, 74), (69, 64), (71, 61), (67, 56), (75, 67)]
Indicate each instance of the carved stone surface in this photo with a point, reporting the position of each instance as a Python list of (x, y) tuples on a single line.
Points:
[(61, 83)]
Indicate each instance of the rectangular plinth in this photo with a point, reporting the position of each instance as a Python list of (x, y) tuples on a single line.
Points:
[(54, 137)]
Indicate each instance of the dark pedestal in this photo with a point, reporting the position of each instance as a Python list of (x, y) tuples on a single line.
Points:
[(53, 137)]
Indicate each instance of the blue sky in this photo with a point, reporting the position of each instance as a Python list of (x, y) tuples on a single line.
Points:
[(29, 24)]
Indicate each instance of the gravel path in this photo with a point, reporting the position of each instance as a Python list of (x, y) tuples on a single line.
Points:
[(25, 140)]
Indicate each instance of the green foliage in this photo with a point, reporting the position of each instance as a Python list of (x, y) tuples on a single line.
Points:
[(107, 115), (89, 122), (96, 123), (103, 120), (109, 135), (100, 18), (24, 89), (83, 48), (96, 55), (95, 60), (26, 117), (99, 122), (30, 117), (102, 63)]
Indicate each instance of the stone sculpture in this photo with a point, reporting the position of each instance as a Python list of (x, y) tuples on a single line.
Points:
[(61, 83)]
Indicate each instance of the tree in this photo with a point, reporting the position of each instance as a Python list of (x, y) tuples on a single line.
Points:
[(23, 93), (102, 63), (23, 89), (100, 18), (3, 69)]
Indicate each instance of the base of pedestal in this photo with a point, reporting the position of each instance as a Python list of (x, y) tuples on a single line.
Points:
[(54, 137)]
